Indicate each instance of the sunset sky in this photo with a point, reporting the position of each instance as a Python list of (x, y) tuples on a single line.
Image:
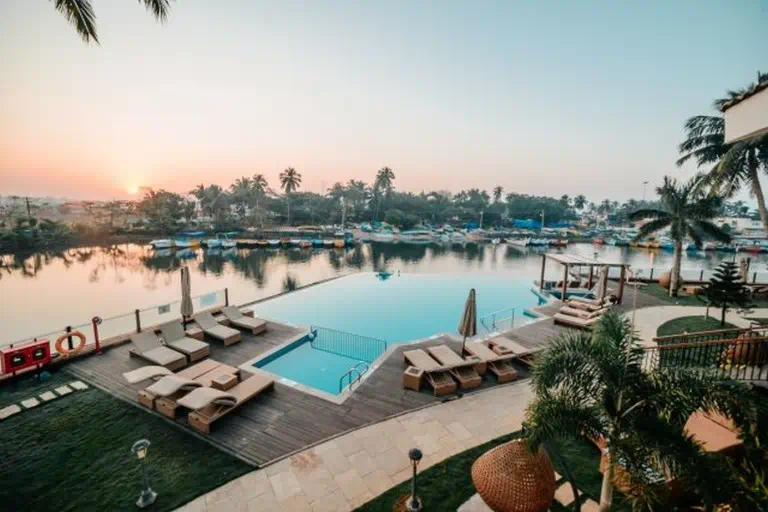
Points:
[(539, 97)]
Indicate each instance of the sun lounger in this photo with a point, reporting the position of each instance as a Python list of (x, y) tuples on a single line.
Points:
[(212, 328), (238, 319), (437, 375), (584, 306), (582, 313), (158, 373), (586, 300), (147, 346), (461, 370), (500, 366), (208, 404), (572, 321), (505, 346), (175, 337)]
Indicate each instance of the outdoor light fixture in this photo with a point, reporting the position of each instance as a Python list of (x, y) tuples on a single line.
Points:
[(414, 503), (147, 496)]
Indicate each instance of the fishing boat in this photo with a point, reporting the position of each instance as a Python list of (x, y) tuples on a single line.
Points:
[(558, 242), (539, 242), (285, 241), (666, 244), (222, 240), (317, 242), (305, 244), (262, 243), (709, 246), (275, 243), (520, 242), (416, 236), (383, 236), (163, 243), (598, 240), (328, 243), (495, 241), (295, 242), (188, 239), (726, 248), (477, 235), (339, 244), (366, 227), (621, 242)]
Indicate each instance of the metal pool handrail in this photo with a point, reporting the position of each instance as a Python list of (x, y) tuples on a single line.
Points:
[(350, 372), (346, 344), (496, 317)]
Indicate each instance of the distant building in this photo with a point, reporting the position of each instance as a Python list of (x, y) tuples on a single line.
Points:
[(744, 225), (747, 115)]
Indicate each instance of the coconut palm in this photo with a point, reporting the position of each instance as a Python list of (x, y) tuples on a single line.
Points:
[(259, 187), (498, 190), (290, 181), (594, 385), (687, 212), (730, 167), (579, 202), (79, 14), (242, 195), (383, 182)]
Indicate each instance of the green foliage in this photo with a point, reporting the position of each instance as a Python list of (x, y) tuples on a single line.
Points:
[(594, 385), (726, 289), (690, 324), (163, 210), (80, 14)]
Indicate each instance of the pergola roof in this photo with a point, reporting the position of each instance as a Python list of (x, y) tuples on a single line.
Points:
[(572, 259)]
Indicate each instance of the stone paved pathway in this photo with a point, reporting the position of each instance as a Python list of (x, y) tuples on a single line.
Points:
[(344, 473)]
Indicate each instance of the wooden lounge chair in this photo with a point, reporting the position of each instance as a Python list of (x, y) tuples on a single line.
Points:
[(572, 321), (461, 370), (505, 346), (581, 313), (158, 373), (175, 337), (212, 328), (575, 304), (587, 300), (208, 404), (147, 346), (168, 404), (240, 320), (436, 375), (500, 366)]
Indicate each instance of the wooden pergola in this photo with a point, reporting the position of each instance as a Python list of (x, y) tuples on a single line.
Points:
[(570, 260)]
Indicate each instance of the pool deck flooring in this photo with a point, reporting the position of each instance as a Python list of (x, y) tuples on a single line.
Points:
[(284, 420)]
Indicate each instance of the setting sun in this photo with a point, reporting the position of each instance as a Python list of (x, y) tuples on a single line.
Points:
[(132, 189)]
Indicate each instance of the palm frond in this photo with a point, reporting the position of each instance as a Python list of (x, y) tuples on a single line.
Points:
[(159, 8), (561, 417), (79, 13), (653, 227), (710, 230), (648, 213)]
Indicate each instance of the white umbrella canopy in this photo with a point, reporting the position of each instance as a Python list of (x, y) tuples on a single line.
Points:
[(186, 295), (468, 323)]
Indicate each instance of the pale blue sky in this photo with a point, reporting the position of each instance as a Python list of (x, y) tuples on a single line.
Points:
[(539, 97)]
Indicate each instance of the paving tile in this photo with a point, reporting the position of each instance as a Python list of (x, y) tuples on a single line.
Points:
[(278, 467), (335, 461), (404, 441), (48, 396), (458, 430), (7, 412), (255, 484), (378, 482), (318, 483), (474, 504), (427, 444), (362, 462), (349, 444), (230, 492), (63, 390), (326, 447), (377, 444), (264, 503), (435, 429), (197, 505), (305, 462), (30, 403), (402, 476), (229, 505), (285, 485), (351, 484), (360, 500), (335, 502), (564, 494), (78, 385), (392, 461), (298, 503)]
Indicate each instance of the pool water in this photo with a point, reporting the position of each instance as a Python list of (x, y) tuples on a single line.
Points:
[(402, 308)]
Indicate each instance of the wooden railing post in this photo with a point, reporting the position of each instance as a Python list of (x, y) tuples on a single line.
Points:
[(138, 320), (69, 338), (226, 297)]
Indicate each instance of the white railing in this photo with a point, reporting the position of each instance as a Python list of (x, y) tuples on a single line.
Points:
[(499, 320)]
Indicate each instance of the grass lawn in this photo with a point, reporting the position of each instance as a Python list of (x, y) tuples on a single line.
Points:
[(445, 486), (689, 300), (691, 324), (74, 453)]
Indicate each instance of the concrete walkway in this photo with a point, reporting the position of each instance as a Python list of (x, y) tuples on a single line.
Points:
[(343, 473), (648, 320)]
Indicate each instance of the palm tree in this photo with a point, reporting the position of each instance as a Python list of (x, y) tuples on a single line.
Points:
[(498, 190), (580, 202), (733, 166), (242, 194), (384, 181), (595, 385), (687, 212), (79, 14), (290, 181), (260, 187)]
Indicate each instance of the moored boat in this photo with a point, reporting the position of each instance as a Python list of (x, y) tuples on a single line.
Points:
[(520, 242), (317, 242), (305, 244), (328, 243), (416, 236), (163, 243), (275, 243), (188, 239)]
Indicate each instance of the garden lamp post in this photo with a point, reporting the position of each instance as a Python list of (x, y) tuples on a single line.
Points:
[(147, 496), (414, 503)]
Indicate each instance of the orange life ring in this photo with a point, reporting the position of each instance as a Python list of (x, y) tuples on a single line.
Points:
[(65, 351)]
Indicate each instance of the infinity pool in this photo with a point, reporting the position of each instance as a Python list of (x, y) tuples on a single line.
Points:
[(401, 308)]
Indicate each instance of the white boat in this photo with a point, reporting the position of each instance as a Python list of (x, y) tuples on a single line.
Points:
[(477, 235), (457, 237), (189, 239), (222, 240), (416, 236), (495, 241), (163, 243), (520, 242), (328, 243), (382, 236), (274, 243)]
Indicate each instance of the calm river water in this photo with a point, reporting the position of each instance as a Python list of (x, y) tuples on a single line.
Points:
[(47, 291)]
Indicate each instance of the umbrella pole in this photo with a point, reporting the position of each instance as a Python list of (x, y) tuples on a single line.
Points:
[(463, 343)]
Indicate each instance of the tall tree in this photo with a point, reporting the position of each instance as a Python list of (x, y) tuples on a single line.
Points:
[(384, 182), (730, 167), (260, 188), (498, 190), (595, 385), (242, 195), (579, 202), (290, 181), (79, 14), (726, 288), (687, 212)]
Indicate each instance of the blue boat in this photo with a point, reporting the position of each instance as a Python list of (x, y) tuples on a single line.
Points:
[(317, 242)]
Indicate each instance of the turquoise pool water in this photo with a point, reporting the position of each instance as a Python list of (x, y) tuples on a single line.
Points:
[(401, 308)]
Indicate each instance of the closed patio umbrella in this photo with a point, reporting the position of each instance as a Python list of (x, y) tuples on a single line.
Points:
[(602, 283), (468, 324), (186, 296)]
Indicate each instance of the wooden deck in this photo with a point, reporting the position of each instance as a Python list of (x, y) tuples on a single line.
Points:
[(285, 419)]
